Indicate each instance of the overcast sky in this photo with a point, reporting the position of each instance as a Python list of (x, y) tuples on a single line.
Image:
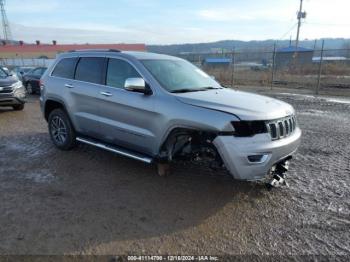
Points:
[(173, 21)]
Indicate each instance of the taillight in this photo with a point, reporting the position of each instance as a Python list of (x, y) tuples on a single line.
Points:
[(41, 84)]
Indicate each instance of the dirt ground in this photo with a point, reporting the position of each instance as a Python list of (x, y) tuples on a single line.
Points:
[(88, 201)]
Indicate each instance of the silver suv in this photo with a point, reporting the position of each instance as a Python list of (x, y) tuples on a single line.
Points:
[(159, 108)]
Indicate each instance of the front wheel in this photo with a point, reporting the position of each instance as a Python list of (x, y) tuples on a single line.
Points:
[(61, 130)]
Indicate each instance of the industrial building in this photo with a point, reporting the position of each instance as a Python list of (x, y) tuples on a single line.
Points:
[(293, 56), (217, 62), (38, 50)]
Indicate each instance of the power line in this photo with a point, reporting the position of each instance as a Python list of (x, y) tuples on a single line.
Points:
[(289, 30)]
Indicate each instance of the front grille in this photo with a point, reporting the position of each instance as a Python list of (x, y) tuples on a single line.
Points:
[(281, 128), (5, 90)]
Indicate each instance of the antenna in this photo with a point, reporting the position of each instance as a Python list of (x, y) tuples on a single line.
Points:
[(5, 23)]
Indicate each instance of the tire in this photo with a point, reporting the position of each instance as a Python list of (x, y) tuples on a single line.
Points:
[(29, 88), (18, 107), (61, 130)]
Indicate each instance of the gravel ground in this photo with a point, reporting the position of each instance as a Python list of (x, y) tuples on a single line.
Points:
[(89, 201)]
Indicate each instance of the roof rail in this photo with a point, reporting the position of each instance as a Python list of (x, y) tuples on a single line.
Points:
[(95, 50)]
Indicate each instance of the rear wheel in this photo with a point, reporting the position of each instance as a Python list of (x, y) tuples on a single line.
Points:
[(18, 107), (61, 130)]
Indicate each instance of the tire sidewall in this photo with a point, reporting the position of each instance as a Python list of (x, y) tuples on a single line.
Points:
[(18, 107), (71, 137)]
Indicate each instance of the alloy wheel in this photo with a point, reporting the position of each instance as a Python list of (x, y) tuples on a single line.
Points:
[(58, 130)]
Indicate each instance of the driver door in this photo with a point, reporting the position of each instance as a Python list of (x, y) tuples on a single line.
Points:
[(127, 118)]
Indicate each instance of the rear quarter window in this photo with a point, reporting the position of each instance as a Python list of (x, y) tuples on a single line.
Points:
[(65, 68)]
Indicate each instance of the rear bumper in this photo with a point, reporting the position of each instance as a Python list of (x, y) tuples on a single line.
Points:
[(234, 152)]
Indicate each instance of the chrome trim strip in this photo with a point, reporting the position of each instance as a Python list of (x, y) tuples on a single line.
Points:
[(117, 151), (284, 127)]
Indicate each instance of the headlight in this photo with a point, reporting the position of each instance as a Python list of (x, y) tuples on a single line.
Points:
[(249, 128), (16, 85)]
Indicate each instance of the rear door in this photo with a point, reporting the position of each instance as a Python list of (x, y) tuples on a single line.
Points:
[(127, 118), (77, 81), (84, 92)]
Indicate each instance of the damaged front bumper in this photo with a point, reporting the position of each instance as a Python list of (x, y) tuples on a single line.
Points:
[(251, 158)]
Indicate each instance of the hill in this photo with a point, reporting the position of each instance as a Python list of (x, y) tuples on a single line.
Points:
[(228, 45)]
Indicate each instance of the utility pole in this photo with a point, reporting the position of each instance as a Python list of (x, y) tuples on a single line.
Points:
[(232, 67), (320, 70), (273, 65), (5, 22), (301, 15)]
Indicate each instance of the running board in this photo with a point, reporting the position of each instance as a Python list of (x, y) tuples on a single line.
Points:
[(115, 149)]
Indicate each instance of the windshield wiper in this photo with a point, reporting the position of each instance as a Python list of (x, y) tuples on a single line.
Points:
[(210, 88), (185, 90)]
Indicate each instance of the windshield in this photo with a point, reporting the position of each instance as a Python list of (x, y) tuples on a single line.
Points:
[(26, 69), (178, 76), (3, 74)]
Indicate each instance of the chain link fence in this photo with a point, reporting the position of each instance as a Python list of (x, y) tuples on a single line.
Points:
[(25, 62), (321, 70)]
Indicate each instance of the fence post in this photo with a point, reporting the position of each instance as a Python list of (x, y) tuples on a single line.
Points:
[(232, 67), (273, 65), (320, 70)]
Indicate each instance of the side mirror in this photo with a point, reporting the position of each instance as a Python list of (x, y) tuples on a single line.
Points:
[(137, 84)]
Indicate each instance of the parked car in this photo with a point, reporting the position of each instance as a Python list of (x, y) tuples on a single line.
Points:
[(21, 70), (32, 78), (12, 93), (6, 70), (157, 109)]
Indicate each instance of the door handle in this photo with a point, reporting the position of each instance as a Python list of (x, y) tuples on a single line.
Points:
[(68, 85), (106, 93)]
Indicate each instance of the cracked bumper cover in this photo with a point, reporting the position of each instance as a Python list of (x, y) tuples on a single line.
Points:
[(234, 152)]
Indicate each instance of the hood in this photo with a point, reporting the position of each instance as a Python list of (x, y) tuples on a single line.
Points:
[(246, 106), (7, 81)]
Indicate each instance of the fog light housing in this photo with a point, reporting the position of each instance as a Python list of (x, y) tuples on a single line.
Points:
[(258, 158)]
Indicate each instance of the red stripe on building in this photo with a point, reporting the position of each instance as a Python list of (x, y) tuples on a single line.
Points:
[(65, 48)]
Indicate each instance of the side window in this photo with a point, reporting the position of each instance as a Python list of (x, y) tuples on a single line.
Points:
[(90, 69), (118, 71), (37, 72), (65, 68), (42, 71)]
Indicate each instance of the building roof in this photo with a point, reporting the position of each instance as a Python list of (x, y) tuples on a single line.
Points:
[(64, 48), (217, 60), (290, 49)]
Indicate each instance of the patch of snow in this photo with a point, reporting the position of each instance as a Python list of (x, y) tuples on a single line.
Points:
[(337, 100), (328, 99)]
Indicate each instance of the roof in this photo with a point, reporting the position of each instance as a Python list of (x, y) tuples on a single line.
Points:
[(290, 49), (135, 54), (64, 48), (217, 60)]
